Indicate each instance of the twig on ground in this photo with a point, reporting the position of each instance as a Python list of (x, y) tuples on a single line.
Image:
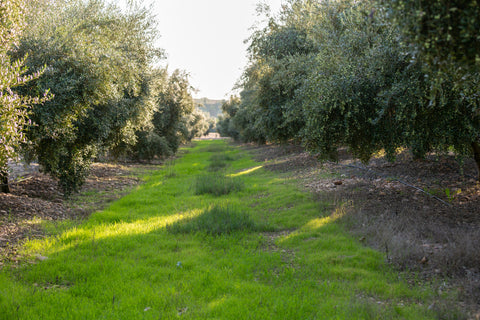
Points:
[(17, 181)]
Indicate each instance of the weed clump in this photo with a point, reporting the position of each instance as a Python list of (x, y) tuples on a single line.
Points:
[(219, 161), (219, 157), (218, 220), (217, 184), (170, 168)]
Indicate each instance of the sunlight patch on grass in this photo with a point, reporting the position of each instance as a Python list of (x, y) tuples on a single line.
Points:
[(244, 172), (217, 302), (157, 184), (79, 235), (312, 225), (138, 227), (318, 223), (315, 225)]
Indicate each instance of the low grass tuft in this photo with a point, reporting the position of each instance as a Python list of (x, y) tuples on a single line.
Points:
[(218, 220), (221, 157), (219, 161), (170, 168), (215, 147), (217, 184), (217, 166)]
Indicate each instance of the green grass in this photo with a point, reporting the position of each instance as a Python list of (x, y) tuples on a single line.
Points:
[(170, 168), (218, 220), (217, 184), (219, 161), (123, 263)]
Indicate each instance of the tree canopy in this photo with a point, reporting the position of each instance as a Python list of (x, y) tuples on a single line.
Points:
[(370, 75), (100, 63)]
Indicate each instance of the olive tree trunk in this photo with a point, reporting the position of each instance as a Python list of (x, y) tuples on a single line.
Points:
[(4, 180), (476, 156)]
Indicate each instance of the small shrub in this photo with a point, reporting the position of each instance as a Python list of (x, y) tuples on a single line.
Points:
[(150, 145), (218, 220), (217, 184)]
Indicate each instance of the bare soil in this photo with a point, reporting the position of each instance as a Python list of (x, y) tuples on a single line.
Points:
[(424, 215)]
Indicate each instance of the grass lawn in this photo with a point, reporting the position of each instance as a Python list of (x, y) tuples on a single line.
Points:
[(247, 244)]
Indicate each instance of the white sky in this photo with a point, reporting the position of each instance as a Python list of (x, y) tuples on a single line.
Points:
[(205, 38)]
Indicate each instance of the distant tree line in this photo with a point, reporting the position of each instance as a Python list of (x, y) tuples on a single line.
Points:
[(370, 75), (79, 79), (212, 107)]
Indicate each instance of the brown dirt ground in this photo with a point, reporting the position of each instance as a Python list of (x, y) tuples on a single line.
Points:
[(424, 215)]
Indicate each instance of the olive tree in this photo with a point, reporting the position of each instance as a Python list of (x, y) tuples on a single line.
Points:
[(173, 119), (225, 125), (369, 75), (14, 107), (198, 124), (97, 63), (443, 36), (279, 54)]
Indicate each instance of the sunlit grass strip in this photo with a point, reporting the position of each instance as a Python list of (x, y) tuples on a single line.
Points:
[(244, 172), (77, 236)]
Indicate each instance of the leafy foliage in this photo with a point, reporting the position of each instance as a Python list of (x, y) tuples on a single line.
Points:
[(443, 36), (97, 64), (108, 97), (150, 145), (225, 126), (11, 22), (13, 106), (441, 31), (371, 75), (198, 124)]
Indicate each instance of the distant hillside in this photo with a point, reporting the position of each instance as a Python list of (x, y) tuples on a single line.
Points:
[(212, 107)]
